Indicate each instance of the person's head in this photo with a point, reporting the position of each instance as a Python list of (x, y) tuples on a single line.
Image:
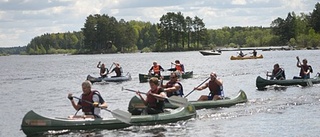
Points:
[(103, 65), (86, 87), (305, 61), (154, 82), (173, 76), (177, 62), (117, 64), (213, 76), (276, 66), (155, 63)]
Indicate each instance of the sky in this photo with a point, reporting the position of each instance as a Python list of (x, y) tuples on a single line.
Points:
[(23, 20)]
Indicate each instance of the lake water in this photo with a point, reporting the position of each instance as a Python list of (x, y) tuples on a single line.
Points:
[(42, 82)]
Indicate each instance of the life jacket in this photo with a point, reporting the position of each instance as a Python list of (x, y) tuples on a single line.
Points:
[(152, 101), (215, 89), (180, 67), (87, 108), (118, 71), (305, 68), (156, 69), (176, 93), (277, 75)]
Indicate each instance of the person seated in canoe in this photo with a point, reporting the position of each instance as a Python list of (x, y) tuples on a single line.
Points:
[(156, 68), (215, 85), (254, 53), (90, 110), (103, 70), (241, 54), (173, 87), (117, 69), (277, 73), (154, 100), (305, 69), (178, 67)]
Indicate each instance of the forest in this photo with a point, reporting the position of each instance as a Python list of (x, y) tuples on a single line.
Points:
[(175, 32)]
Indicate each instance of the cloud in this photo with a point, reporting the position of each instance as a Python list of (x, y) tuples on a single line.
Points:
[(22, 20)]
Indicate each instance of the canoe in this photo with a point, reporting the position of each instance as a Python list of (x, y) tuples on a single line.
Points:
[(261, 83), (35, 124), (209, 52), (146, 77), (109, 79), (136, 105), (246, 57)]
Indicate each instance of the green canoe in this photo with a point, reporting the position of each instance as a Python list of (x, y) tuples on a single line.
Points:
[(35, 124), (136, 105), (261, 83), (145, 77)]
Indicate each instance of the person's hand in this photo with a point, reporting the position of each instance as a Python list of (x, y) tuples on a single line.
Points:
[(138, 93), (99, 62), (96, 104), (172, 63), (70, 96)]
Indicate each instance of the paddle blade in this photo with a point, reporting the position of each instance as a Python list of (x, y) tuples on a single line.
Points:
[(121, 115), (178, 101)]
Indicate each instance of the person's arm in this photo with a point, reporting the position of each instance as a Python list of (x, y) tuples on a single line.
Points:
[(160, 67), (160, 96), (143, 100), (218, 81), (98, 66), (99, 102), (74, 105), (176, 87), (202, 87), (150, 70)]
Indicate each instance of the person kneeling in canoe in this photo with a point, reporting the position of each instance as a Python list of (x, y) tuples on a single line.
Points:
[(277, 73), (90, 101), (155, 98), (215, 87), (173, 87), (117, 69)]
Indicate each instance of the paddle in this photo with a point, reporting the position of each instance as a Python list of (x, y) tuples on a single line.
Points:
[(197, 87), (174, 100), (118, 114), (309, 82), (110, 67)]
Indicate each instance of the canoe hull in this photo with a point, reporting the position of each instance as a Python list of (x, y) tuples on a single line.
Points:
[(145, 77), (261, 83), (246, 57), (136, 105), (109, 79), (35, 124)]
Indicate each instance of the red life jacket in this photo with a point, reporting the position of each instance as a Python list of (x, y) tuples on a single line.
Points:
[(87, 107), (152, 101), (214, 88)]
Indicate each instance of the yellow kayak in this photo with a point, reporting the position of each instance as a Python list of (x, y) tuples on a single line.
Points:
[(246, 57)]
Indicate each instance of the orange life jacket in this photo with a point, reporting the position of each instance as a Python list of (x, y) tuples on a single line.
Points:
[(156, 69)]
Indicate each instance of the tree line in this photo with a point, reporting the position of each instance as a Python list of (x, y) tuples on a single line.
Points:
[(175, 32)]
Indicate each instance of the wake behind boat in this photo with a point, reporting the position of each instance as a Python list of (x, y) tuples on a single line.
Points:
[(92, 79), (35, 124)]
